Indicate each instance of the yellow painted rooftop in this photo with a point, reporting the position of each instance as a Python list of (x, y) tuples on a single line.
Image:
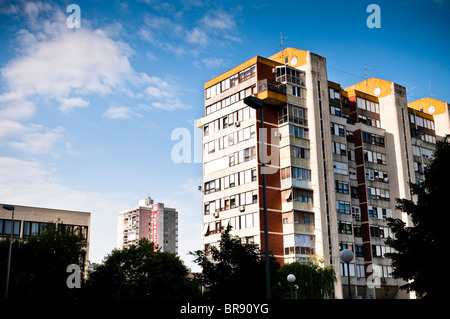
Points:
[(429, 105)]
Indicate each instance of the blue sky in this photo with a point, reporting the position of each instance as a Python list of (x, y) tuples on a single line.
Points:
[(87, 115)]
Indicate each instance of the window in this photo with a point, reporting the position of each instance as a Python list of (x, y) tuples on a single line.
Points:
[(301, 173), (334, 94), (367, 105), (255, 197), (373, 139), (288, 74), (296, 91), (298, 131), (354, 191), (337, 129), (375, 157), (343, 207), (345, 227), (335, 110), (293, 114), (373, 212), (345, 245), (298, 244), (340, 167), (247, 74), (253, 174), (301, 152), (352, 173), (231, 160), (207, 207), (6, 225), (341, 187), (301, 195), (339, 148)]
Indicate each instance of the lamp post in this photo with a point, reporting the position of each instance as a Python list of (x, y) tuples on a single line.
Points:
[(347, 256), (256, 103), (291, 279), (10, 208)]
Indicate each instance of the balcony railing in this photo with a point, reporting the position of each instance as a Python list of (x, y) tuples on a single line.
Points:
[(270, 85)]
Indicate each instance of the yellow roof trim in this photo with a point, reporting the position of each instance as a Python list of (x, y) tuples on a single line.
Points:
[(368, 86), (426, 102), (363, 95), (290, 52), (239, 68)]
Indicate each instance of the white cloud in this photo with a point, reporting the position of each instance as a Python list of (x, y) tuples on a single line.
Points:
[(38, 140), (29, 138), (67, 105), (163, 95), (219, 20), (71, 62), (197, 36), (212, 62), (14, 107), (118, 113)]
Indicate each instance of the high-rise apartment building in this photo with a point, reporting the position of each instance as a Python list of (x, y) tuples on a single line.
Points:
[(336, 159), (150, 220)]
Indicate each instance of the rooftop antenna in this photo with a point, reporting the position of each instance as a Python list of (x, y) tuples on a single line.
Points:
[(411, 96), (282, 45), (429, 89), (366, 68)]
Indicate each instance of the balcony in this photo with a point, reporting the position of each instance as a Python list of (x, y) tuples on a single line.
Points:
[(291, 205), (298, 228), (271, 92)]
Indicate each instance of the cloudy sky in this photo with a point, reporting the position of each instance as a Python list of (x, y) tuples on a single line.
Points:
[(89, 116)]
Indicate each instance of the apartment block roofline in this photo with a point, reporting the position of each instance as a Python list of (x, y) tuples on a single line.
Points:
[(420, 113), (373, 86), (300, 57), (56, 210), (239, 68), (364, 95), (426, 103)]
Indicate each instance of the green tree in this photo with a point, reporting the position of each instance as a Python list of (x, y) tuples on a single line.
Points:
[(419, 246), (39, 264), (313, 281), (234, 269), (141, 272)]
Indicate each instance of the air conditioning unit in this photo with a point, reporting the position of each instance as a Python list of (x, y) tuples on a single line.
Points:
[(216, 214), (241, 208), (237, 123), (277, 134)]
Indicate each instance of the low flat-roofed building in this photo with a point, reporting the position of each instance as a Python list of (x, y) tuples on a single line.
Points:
[(31, 221)]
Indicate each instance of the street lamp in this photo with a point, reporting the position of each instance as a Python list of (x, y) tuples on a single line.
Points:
[(347, 256), (256, 103), (291, 279), (10, 208)]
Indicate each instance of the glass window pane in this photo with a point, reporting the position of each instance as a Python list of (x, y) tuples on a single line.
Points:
[(17, 228), (7, 229), (34, 229), (26, 228)]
